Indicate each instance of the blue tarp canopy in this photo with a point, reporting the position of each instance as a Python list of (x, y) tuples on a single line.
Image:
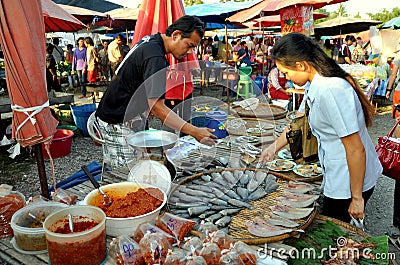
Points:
[(214, 14), (394, 23)]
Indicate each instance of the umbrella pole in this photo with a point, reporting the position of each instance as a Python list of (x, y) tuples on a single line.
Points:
[(228, 92), (41, 170)]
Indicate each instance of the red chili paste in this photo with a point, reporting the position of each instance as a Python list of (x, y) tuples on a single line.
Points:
[(9, 204), (134, 204), (79, 226)]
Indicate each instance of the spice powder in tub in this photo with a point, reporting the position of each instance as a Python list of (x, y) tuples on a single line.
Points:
[(86, 245)]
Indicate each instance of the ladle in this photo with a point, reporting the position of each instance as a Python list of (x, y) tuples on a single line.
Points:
[(107, 201)]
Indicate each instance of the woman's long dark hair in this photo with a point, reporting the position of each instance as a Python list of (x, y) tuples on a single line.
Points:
[(296, 47)]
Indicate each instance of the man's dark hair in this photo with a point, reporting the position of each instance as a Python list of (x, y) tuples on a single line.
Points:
[(187, 24), (56, 41)]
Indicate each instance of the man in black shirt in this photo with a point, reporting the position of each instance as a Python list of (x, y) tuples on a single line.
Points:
[(138, 85)]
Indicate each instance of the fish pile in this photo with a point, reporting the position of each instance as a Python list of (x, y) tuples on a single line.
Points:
[(219, 195), (292, 205)]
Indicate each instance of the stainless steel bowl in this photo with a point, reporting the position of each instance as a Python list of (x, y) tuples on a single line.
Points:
[(152, 140)]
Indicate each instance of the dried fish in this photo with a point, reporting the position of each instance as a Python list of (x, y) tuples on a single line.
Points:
[(220, 194), (184, 205), (224, 221), (252, 185), (201, 187), (230, 211), (297, 200), (220, 207), (260, 176), (217, 201), (197, 193), (206, 178), (238, 203), (244, 179), (207, 213), (238, 174), (290, 212), (220, 180), (266, 230), (298, 187), (274, 219), (257, 194), (214, 217), (233, 194), (228, 176), (197, 210), (271, 187), (243, 193), (183, 197)]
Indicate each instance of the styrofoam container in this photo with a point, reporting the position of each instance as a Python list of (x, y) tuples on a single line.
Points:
[(151, 172), (29, 238), (87, 245), (124, 226)]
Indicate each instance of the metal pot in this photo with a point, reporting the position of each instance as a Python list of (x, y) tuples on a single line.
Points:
[(152, 140)]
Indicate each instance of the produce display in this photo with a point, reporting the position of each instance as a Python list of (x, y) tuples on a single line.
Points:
[(362, 74)]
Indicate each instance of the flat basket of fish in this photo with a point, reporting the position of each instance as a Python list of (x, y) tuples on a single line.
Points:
[(255, 206)]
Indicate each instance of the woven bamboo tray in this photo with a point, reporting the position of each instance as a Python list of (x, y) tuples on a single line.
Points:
[(251, 123), (265, 111), (237, 227)]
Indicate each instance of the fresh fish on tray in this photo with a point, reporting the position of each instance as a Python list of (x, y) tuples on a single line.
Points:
[(274, 219), (297, 200), (290, 212), (298, 187)]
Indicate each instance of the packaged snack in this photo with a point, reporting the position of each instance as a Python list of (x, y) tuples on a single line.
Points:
[(211, 253), (193, 245), (175, 257), (206, 228), (147, 227), (229, 257), (125, 250), (10, 202), (175, 225), (63, 196), (196, 260), (246, 255), (221, 239), (154, 247)]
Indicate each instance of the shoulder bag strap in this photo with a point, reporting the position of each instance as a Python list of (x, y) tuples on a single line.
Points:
[(394, 128)]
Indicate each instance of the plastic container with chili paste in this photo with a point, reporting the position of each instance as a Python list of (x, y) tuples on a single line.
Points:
[(86, 245)]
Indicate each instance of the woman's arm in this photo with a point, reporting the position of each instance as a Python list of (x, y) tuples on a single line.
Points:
[(356, 161), (391, 80)]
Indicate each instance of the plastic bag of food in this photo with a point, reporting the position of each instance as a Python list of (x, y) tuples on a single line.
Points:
[(125, 250), (221, 239), (175, 257), (193, 245), (154, 247), (147, 227), (206, 228), (175, 225), (196, 260), (10, 202), (246, 255), (63, 196), (229, 257), (211, 253)]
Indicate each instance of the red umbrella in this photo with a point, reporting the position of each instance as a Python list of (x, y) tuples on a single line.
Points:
[(57, 19), (22, 27), (275, 20), (155, 16), (272, 7)]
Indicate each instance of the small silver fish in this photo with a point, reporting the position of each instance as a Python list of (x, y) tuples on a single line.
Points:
[(206, 178), (207, 213), (238, 203), (230, 211), (238, 174), (257, 194), (197, 210), (217, 201), (224, 221), (244, 179), (233, 195), (214, 217), (244, 193)]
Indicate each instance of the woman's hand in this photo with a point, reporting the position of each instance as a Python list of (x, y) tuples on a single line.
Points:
[(356, 208), (268, 154), (388, 93)]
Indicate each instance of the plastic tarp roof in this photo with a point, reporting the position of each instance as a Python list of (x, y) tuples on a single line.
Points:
[(394, 23)]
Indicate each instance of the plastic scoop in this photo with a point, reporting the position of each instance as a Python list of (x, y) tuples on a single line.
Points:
[(106, 200)]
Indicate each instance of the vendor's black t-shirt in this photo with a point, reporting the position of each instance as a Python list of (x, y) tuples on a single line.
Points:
[(142, 75)]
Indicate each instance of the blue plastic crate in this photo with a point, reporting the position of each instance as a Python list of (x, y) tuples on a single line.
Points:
[(81, 115)]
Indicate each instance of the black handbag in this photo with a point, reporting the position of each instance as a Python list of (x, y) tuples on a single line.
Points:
[(303, 144)]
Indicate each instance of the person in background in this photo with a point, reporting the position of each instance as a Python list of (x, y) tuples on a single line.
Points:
[(92, 60), (224, 51), (104, 62), (235, 48), (69, 54), (394, 84), (339, 114), (58, 52), (79, 64), (327, 47), (277, 84), (124, 47), (114, 53), (358, 53), (138, 89), (345, 52), (214, 50), (51, 71), (243, 55)]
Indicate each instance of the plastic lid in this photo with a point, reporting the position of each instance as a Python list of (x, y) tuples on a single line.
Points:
[(151, 172)]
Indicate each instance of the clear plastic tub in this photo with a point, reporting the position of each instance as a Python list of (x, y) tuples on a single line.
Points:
[(27, 225), (85, 246)]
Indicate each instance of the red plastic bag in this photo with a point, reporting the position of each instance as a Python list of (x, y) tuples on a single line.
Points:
[(175, 225)]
